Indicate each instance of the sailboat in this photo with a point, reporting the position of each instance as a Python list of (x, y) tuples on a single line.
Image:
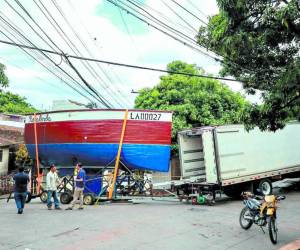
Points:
[(92, 136)]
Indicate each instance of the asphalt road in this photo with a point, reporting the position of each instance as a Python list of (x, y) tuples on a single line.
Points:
[(149, 225)]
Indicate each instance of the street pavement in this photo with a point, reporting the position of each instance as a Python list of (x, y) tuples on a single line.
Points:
[(148, 225)]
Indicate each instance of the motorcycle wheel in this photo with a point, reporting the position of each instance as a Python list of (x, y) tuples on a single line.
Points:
[(272, 230), (245, 223)]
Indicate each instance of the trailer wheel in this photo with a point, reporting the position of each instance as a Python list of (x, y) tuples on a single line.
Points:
[(65, 198), (265, 187), (88, 199), (44, 196)]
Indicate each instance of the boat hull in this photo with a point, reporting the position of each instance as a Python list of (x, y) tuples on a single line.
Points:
[(92, 137), (134, 156)]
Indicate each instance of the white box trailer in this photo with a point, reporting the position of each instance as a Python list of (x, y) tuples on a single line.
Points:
[(233, 159)]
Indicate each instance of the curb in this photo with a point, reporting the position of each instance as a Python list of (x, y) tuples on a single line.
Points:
[(295, 245)]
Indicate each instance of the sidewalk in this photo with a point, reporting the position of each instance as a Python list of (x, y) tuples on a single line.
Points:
[(295, 245)]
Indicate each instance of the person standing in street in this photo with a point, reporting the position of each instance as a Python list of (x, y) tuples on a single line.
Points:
[(79, 186), (20, 192), (51, 184)]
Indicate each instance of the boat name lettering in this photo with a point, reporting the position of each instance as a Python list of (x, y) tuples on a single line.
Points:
[(40, 118), (145, 116)]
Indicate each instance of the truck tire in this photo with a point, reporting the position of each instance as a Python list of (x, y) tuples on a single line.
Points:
[(265, 187)]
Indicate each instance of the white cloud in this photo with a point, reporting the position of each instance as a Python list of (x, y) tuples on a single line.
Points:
[(21, 74)]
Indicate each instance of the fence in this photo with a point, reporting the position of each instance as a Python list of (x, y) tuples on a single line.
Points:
[(6, 184)]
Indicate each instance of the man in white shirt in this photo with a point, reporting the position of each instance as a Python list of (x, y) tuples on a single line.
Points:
[(51, 184)]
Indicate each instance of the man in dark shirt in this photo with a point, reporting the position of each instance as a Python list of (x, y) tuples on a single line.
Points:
[(20, 192), (79, 187)]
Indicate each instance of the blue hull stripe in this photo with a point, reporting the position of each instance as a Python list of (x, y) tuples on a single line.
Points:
[(135, 156)]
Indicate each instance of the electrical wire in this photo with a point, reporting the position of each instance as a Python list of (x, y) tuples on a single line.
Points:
[(194, 42), (68, 84), (186, 40), (86, 48), (200, 11), (13, 27), (166, 18), (119, 64), (192, 14), (69, 43), (96, 46), (99, 97), (129, 33), (179, 16)]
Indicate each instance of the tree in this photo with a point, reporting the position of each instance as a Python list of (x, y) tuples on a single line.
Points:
[(260, 45), (3, 78), (195, 101), (9, 102), (14, 104), (22, 155)]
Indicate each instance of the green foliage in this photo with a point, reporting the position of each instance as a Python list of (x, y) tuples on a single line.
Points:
[(195, 101), (9, 102), (3, 78), (260, 43), (14, 104)]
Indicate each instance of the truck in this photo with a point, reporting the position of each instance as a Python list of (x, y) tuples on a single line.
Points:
[(232, 160)]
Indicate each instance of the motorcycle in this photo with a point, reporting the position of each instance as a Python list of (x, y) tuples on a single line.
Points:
[(260, 210)]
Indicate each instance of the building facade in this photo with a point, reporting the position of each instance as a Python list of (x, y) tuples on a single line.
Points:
[(11, 135)]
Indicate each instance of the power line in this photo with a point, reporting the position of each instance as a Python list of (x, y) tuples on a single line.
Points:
[(98, 96), (51, 71), (68, 42), (173, 36), (186, 39), (86, 48), (23, 69), (128, 32), (191, 3), (24, 19), (163, 16), (229, 61), (50, 59), (33, 20), (179, 16), (189, 12), (113, 73), (119, 64), (72, 66), (159, 22), (112, 95)]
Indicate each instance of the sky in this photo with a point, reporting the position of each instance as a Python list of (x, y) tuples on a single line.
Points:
[(96, 29)]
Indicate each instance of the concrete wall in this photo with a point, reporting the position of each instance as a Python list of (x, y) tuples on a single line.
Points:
[(4, 161)]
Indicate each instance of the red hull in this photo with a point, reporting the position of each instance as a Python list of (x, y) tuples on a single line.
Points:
[(108, 131)]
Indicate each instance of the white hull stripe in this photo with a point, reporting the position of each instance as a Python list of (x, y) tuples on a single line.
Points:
[(101, 115)]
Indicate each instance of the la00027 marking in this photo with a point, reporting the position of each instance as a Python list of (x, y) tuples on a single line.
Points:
[(145, 116)]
